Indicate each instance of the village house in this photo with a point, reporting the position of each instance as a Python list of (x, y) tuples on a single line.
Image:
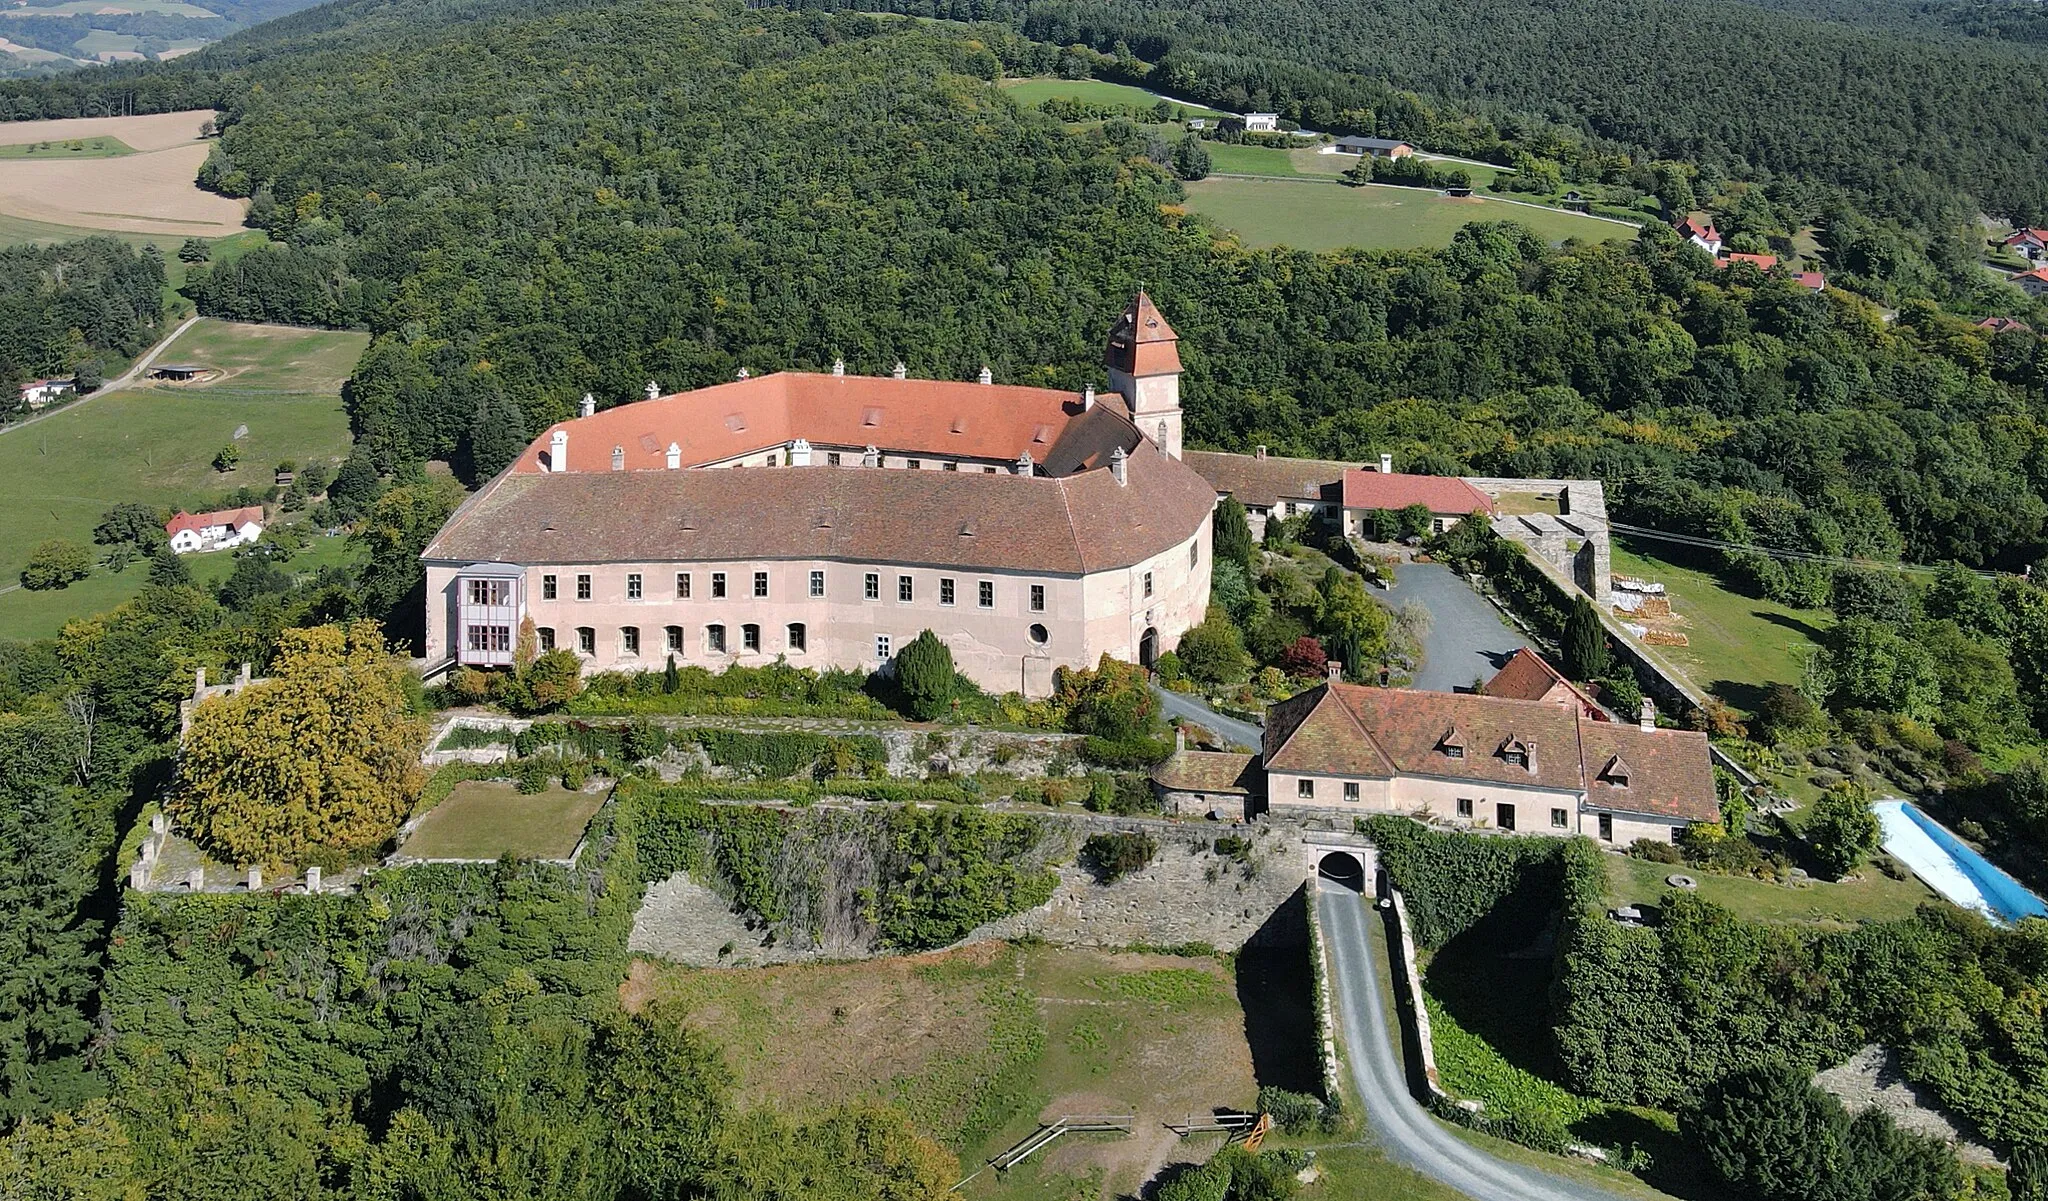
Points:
[(2027, 241), (1812, 281), (1531, 766), (2033, 283), (1269, 486), (2005, 325), (832, 518), (1698, 228), (39, 393), (1262, 122), (1528, 677), (1372, 147), (1449, 499), (219, 530), (1762, 262)]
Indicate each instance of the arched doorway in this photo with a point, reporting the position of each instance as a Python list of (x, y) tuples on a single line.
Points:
[(1148, 647), (1342, 867)]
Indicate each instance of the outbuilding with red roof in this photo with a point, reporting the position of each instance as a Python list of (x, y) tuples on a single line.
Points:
[(218, 530)]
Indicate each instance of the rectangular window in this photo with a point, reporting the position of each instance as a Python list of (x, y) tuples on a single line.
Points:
[(1559, 819), (1195, 553), (714, 639), (582, 587), (1038, 598), (1504, 816), (1350, 790), (682, 585), (717, 585), (831, 458), (1464, 806), (904, 592), (985, 594), (1454, 752), (750, 637), (1305, 789), (817, 583), (794, 636), (882, 647), (914, 464), (547, 587), (951, 467), (490, 592), (760, 584), (546, 635), (1607, 827), (1148, 585), (490, 638), (586, 640), (633, 590), (945, 590), (629, 639), (674, 639), (871, 587)]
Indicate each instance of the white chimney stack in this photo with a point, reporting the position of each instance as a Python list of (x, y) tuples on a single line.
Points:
[(1258, 452), (900, 370), (618, 458), (839, 366), (558, 451), (1088, 399), (871, 457), (743, 373), (1333, 671), (1119, 466), (800, 453), (987, 376), (588, 406), (675, 456), (1386, 464), (1648, 719), (653, 389), (1024, 463)]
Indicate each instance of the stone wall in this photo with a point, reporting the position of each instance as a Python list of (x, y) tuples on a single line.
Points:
[(1187, 894)]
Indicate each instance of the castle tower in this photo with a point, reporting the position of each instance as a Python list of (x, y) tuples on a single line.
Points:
[(1143, 358)]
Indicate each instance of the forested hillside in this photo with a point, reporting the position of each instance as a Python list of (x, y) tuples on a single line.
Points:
[(65, 309)]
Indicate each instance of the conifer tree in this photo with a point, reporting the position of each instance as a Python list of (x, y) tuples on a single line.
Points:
[(1585, 643)]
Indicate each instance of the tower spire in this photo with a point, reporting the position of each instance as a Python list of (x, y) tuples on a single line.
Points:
[(1143, 357)]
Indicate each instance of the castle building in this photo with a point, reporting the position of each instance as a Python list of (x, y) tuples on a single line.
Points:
[(831, 518)]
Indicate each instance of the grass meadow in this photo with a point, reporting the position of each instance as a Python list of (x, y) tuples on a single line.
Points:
[(71, 148), (1092, 91), (484, 819), (1323, 216)]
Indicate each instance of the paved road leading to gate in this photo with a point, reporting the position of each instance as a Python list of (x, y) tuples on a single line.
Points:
[(1407, 1132), (1468, 638), (1190, 709)]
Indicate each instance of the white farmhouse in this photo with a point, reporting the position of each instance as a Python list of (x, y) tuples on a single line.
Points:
[(40, 392), (1262, 122), (215, 531)]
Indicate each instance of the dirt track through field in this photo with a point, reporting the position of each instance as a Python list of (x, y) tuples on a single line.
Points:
[(151, 192)]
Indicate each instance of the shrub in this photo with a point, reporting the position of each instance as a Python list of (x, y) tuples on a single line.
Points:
[(225, 459), (925, 676), (1656, 851), (1129, 754), (55, 564), (1114, 856), (1296, 1113), (1843, 830)]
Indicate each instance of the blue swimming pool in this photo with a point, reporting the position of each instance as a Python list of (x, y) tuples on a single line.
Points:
[(2001, 895)]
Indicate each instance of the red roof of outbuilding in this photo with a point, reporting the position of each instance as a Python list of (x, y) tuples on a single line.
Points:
[(1526, 677), (1762, 262), (1395, 490)]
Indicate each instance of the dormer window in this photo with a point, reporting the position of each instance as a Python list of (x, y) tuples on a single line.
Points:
[(1616, 773), (1452, 744), (1516, 753)]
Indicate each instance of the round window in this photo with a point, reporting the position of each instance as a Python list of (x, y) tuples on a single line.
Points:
[(1039, 637)]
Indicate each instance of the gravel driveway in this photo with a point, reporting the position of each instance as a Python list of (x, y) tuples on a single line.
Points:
[(1468, 639)]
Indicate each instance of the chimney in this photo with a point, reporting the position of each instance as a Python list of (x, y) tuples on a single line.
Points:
[(1119, 466), (255, 878), (1024, 463), (312, 879), (1088, 399), (588, 407), (1531, 744), (899, 371), (1333, 671), (1180, 738), (1648, 719), (871, 457), (1258, 452), (675, 456), (839, 366), (653, 389), (1386, 464), (987, 376), (242, 678), (558, 451), (618, 458), (743, 373), (800, 453)]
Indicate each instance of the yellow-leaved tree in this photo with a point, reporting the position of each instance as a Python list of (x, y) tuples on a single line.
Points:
[(323, 756)]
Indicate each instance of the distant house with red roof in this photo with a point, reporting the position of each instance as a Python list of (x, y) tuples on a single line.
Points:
[(1448, 498), (1527, 677), (1698, 228), (40, 392), (218, 530), (2030, 242), (1812, 281), (2033, 283), (2005, 325), (1762, 262)]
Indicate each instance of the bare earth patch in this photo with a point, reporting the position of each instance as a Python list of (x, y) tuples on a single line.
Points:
[(152, 191), (1871, 1079)]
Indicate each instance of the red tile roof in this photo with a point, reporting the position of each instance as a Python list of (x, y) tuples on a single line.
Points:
[(1699, 225), (232, 518), (1207, 771), (1141, 342), (2037, 236), (2000, 325), (1762, 262), (2040, 273), (1265, 482), (935, 417), (1442, 493), (1812, 281), (1348, 729), (1526, 677)]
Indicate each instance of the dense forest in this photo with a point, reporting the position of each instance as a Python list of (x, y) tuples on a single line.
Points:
[(66, 309)]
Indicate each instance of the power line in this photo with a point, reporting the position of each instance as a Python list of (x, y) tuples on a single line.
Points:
[(1795, 555)]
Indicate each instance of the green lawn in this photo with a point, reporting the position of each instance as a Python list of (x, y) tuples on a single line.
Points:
[(155, 445), (1322, 216), (1093, 91), (1875, 897), (1735, 644), (71, 148), (487, 819), (103, 41), (74, 7)]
